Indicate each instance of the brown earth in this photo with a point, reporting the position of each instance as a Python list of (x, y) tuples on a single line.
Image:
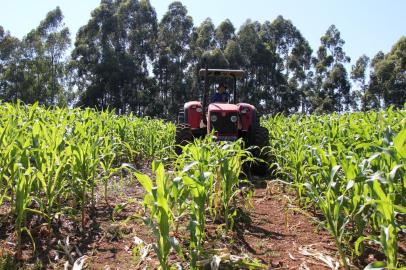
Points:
[(276, 232), (285, 237)]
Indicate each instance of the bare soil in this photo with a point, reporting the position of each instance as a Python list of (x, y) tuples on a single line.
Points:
[(275, 231)]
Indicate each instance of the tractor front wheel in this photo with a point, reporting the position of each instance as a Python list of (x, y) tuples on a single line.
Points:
[(183, 136), (259, 137)]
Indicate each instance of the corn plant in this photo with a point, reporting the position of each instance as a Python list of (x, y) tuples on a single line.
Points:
[(52, 158), (24, 181), (230, 158), (84, 164), (197, 176), (210, 173), (332, 203), (160, 217), (352, 168)]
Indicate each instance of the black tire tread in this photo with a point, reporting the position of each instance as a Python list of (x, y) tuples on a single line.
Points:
[(259, 136), (183, 136)]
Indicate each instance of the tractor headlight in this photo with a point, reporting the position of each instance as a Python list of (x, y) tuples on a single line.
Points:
[(199, 110), (213, 118), (233, 118)]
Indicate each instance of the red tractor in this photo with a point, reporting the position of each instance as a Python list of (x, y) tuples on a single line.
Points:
[(230, 121)]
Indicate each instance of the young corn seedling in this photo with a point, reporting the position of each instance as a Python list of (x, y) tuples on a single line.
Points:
[(51, 161), (195, 167), (195, 184), (25, 178), (230, 159), (332, 207), (84, 165), (385, 217), (156, 200)]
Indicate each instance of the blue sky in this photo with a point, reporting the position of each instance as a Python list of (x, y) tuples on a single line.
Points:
[(366, 26)]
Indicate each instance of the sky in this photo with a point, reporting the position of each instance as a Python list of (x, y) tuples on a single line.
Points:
[(367, 26)]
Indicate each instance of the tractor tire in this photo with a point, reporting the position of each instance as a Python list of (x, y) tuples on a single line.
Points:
[(259, 137), (181, 116), (183, 136)]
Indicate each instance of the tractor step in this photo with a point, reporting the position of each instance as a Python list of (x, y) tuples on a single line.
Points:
[(226, 138)]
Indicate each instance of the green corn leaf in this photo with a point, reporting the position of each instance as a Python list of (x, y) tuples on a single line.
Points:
[(359, 241), (400, 209), (145, 181), (400, 143), (333, 172)]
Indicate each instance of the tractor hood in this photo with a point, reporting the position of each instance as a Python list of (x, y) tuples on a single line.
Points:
[(223, 107)]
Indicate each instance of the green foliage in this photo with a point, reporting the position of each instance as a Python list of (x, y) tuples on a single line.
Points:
[(332, 91), (34, 68), (173, 57), (224, 33), (351, 168), (205, 182), (111, 55), (160, 217), (388, 80), (358, 74), (116, 50), (50, 157)]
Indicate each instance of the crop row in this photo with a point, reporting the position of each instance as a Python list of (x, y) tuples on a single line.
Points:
[(51, 160), (204, 186), (351, 169)]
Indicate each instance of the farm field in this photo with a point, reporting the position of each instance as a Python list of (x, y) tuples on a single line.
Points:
[(82, 187)]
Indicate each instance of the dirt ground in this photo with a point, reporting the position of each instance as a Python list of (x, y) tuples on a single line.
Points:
[(275, 231), (283, 236)]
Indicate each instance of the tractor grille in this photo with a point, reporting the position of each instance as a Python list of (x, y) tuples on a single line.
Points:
[(223, 125)]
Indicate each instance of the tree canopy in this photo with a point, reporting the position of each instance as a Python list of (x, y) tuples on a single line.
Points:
[(124, 58)]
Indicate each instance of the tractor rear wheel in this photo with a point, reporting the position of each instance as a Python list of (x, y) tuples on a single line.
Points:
[(183, 136)]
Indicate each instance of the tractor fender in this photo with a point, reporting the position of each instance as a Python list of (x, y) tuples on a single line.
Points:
[(247, 114), (193, 113)]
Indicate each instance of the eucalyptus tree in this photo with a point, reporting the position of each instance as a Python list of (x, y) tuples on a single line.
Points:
[(201, 42), (139, 30), (112, 53), (281, 58), (358, 74), (224, 33), (55, 39), (333, 86), (255, 58), (203, 36), (234, 55), (8, 76), (388, 77), (173, 56), (295, 61), (35, 69), (374, 92)]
